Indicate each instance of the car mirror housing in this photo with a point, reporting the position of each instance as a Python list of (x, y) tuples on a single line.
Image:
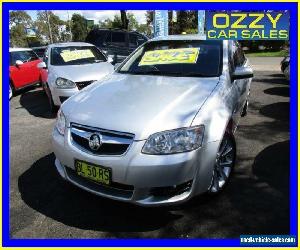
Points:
[(110, 60), (19, 62), (242, 72), (42, 65)]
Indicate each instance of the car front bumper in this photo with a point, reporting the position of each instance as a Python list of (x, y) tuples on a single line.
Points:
[(60, 95), (147, 180)]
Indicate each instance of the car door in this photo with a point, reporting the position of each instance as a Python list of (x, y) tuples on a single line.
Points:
[(242, 85), (24, 74)]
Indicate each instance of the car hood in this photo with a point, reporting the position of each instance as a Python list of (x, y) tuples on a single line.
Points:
[(84, 72), (138, 104)]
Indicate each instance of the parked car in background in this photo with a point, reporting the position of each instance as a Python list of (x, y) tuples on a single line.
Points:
[(285, 67), (284, 63), (116, 43), (39, 51), (70, 67), (287, 72), (160, 129), (23, 71)]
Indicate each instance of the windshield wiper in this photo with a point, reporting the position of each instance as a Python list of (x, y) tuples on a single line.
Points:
[(147, 72)]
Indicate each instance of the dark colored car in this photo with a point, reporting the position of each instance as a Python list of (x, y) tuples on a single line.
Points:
[(39, 51), (116, 43), (285, 63)]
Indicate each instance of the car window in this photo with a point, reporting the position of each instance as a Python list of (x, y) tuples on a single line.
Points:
[(133, 40), (74, 55), (40, 52), (96, 37), (141, 40), (118, 39), (24, 56), (177, 58)]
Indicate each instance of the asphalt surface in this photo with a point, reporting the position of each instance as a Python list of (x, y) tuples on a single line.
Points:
[(256, 201)]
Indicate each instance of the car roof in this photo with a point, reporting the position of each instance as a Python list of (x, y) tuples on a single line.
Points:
[(179, 37), (69, 44), (19, 49)]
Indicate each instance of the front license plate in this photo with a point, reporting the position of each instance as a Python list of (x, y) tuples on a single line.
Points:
[(93, 172)]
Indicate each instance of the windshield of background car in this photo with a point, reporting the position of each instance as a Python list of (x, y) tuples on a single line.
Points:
[(75, 55), (24, 56), (177, 58)]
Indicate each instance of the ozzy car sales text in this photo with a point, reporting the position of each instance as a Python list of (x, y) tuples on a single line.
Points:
[(247, 26)]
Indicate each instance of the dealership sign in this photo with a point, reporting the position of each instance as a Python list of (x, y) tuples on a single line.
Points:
[(247, 25), (160, 23)]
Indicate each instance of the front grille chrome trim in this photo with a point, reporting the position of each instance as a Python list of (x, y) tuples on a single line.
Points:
[(109, 138)]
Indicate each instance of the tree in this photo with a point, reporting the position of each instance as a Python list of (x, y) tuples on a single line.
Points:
[(124, 20), (20, 17), (18, 22), (79, 28), (56, 27)]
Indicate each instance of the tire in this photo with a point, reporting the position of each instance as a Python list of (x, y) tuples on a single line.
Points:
[(224, 166), (52, 106), (245, 109), (12, 91)]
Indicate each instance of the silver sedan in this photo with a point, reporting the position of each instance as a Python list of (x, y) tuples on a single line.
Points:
[(160, 129)]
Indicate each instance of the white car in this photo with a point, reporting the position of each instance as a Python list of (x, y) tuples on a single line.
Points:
[(69, 67)]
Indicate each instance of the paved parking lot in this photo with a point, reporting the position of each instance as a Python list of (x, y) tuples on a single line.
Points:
[(255, 202)]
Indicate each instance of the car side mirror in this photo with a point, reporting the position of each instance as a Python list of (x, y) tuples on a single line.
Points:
[(42, 65), (242, 72), (117, 65), (110, 60), (19, 63)]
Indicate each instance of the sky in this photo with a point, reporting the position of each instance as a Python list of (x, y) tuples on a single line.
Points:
[(96, 15)]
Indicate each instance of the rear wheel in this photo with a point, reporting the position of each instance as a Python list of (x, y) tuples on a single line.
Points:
[(224, 165)]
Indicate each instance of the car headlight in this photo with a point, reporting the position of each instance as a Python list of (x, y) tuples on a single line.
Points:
[(60, 122), (63, 83), (174, 141)]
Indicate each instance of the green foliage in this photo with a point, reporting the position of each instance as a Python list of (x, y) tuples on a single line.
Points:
[(133, 25), (55, 24), (19, 17), (17, 36), (18, 22), (79, 28)]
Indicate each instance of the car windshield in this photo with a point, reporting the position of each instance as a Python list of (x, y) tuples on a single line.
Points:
[(176, 58), (75, 55), (24, 56)]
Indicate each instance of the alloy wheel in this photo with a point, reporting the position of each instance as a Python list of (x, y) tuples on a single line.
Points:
[(224, 164)]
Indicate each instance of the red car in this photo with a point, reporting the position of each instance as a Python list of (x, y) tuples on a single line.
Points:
[(23, 70)]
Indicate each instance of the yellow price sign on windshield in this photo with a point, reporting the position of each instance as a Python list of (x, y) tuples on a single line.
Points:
[(170, 56), (72, 55)]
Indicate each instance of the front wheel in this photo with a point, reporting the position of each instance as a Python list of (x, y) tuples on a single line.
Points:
[(224, 165)]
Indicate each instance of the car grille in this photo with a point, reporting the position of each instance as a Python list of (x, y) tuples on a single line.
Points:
[(113, 142), (81, 85)]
